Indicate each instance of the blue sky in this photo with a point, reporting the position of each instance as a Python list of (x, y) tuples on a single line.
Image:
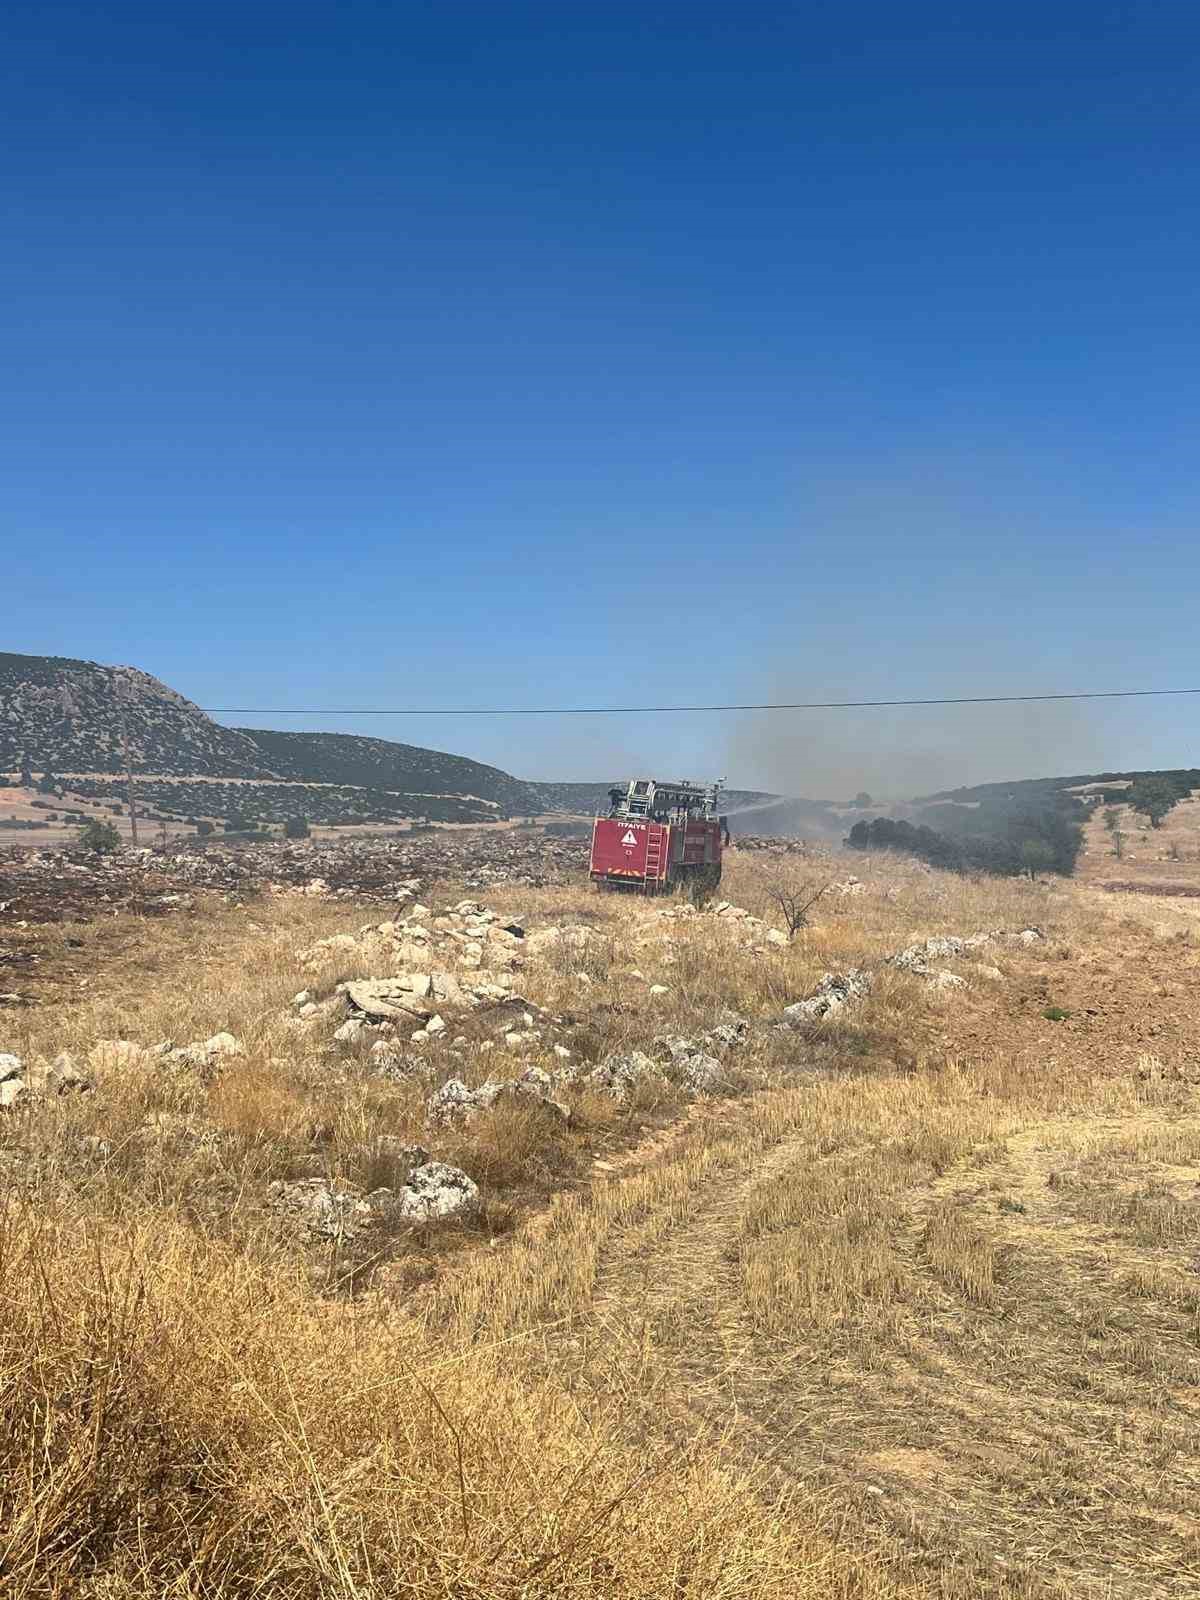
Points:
[(463, 354)]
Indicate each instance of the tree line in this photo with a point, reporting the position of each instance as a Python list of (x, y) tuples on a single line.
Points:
[(1047, 841)]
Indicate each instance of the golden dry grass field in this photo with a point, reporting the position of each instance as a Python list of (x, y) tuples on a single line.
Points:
[(912, 1311)]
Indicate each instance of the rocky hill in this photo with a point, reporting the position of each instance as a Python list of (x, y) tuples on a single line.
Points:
[(67, 718), (63, 715)]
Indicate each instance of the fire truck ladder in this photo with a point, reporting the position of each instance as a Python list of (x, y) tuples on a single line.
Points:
[(655, 839)]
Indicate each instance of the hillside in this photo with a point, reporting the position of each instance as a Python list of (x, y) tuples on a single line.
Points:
[(66, 716), (349, 758)]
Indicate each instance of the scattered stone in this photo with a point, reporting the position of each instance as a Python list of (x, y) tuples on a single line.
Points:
[(12, 1090), (619, 1075), (437, 1192), (62, 1076), (349, 1032), (703, 1075), (206, 1054), (402, 1153), (948, 980), (834, 993), (574, 937), (114, 1055), (391, 999), (453, 1102), (323, 1211), (731, 1032), (386, 1061)]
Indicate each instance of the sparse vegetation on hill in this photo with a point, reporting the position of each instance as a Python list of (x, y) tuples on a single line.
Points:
[(68, 716), (382, 764)]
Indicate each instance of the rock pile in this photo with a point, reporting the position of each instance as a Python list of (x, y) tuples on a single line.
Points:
[(468, 935), (453, 1103), (18, 1081), (915, 958), (837, 990), (205, 1055), (752, 931), (834, 993), (323, 1209), (443, 965)]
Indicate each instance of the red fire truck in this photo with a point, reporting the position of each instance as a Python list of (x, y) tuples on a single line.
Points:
[(660, 836)]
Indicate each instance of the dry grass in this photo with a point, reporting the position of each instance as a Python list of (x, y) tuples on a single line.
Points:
[(917, 1316)]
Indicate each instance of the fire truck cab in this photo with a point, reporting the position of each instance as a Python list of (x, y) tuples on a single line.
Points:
[(660, 836)]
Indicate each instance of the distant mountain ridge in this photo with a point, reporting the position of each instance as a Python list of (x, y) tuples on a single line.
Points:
[(68, 717)]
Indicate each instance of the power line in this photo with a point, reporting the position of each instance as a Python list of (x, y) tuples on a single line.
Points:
[(612, 711)]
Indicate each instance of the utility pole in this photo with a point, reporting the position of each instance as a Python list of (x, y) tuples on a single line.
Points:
[(132, 793)]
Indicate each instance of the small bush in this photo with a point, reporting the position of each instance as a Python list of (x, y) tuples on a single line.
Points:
[(1056, 1014), (295, 828), (99, 836)]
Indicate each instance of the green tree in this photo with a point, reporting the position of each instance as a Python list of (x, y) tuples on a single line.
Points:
[(862, 798), (295, 828), (99, 836), (1153, 796), (203, 829), (1036, 856)]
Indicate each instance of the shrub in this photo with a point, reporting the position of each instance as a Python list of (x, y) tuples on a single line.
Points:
[(99, 836), (204, 829), (295, 828)]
